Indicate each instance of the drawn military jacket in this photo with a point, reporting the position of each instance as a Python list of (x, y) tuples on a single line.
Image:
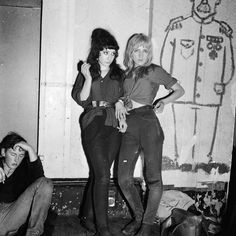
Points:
[(199, 54)]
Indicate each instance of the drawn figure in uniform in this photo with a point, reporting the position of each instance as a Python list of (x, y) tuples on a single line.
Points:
[(198, 49)]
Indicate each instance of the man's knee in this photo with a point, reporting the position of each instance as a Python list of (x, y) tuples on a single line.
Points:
[(46, 186), (4, 231)]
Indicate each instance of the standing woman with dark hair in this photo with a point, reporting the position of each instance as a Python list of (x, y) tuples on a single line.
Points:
[(97, 89), (144, 132)]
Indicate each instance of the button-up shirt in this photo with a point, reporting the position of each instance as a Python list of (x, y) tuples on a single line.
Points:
[(143, 90), (199, 53), (24, 175), (102, 89)]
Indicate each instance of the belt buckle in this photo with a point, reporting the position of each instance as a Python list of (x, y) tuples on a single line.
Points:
[(94, 103), (99, 104), (103, 104)]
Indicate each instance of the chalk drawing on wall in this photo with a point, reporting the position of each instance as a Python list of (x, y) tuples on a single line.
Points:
[(198, 51)]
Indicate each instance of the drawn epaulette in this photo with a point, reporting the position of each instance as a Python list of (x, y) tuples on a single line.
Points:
[(225, 29), (175, 23)]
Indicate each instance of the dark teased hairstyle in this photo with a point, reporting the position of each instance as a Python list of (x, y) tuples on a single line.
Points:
[(10, 140), (102, 39)]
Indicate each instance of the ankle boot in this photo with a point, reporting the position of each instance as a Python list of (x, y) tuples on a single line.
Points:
[(145, 230), (131, 228)]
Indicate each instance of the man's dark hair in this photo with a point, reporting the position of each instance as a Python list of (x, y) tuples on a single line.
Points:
[(10, 140)]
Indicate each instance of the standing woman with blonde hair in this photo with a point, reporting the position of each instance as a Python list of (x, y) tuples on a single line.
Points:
[(144, 132)]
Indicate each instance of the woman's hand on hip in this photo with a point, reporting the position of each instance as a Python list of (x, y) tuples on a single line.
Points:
[(159, 107)]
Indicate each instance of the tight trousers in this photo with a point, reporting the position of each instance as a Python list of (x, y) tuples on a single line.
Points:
[(145, 134), (101, 144)]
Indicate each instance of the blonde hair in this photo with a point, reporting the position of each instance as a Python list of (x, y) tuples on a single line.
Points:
[(135, 41)]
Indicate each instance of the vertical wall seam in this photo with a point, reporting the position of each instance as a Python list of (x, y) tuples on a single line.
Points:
[(39, 69), (150, 23), (69, 72)]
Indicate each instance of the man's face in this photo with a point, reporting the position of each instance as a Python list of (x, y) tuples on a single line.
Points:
[(13, 157), (205, 8)]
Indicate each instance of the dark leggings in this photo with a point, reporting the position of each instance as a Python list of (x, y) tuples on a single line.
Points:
[(143, 133), (101, 144)]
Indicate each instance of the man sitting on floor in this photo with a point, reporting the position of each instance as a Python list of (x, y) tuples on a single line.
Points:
[(25, 193)]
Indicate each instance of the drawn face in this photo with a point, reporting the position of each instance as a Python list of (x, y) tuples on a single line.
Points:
[(13, 157), (205, 8), (106, 57), (140, 56)]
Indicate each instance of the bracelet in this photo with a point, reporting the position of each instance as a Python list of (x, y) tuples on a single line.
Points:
[(121, 101)]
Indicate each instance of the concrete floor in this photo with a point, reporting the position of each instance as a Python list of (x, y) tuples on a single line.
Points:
[(60, 225), (70, 226)]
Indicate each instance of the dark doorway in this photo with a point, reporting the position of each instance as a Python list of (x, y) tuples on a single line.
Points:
[(20, 23)]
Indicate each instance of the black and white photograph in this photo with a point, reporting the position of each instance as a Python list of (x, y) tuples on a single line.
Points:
[(117, 117)]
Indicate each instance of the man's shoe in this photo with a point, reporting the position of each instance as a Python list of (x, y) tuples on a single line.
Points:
[(131, 228)]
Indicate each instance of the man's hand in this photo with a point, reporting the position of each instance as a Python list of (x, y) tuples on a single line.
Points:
[(26, 147), (219, 88)]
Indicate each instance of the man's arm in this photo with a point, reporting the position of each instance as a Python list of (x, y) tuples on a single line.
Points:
[(28, 148), (35, 164)]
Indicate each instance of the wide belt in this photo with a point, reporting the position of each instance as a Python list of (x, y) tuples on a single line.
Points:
[(102, 104)]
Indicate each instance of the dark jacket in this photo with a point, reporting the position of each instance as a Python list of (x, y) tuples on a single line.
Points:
[(25, 174)]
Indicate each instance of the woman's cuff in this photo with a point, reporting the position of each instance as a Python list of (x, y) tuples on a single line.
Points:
[(121, 101)]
